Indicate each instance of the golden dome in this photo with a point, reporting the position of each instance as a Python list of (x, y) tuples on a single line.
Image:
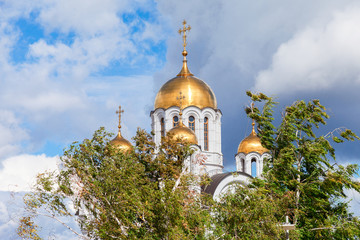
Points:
[(252, 143), (197, 92), (184, 133), (121, 143)]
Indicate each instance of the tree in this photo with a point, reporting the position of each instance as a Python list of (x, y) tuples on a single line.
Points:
[(246, 213), (141, 194), (147, 194), (301, 179), (303, 166)]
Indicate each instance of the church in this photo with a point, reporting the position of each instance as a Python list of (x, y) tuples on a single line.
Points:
[(186, 107)]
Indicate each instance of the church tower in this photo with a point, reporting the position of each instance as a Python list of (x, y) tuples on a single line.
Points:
[(251, 154), (199, 112)]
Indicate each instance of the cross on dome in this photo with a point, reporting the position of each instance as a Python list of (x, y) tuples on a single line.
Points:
[(184, 71), (253, 127), (253, 121), (120, 111), (198, 93), (180, 98), (119, 142), (183, 32)]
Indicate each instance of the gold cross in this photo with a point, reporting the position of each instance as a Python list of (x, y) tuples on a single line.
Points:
[(183, 31), (120, 111), (253, 121), (180, 98)]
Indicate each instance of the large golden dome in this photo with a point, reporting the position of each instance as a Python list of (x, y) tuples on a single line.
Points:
[(197, 92), (184, 133), (252, 143), (121, 143)]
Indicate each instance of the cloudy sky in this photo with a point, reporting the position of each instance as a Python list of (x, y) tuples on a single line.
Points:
[(66, 65)]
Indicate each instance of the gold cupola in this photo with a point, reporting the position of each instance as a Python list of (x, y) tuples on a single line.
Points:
[(199, 94), (181, 131), (119, 142), (252, 143)]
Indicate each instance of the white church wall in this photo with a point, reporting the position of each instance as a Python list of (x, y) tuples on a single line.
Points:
[(247, 159), (196, 113), (214, 157)]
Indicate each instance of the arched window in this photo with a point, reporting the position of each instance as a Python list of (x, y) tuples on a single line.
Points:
[(243, 165), (175, 121), (253, 167), (206, 134), (192, 123), (162, 123)]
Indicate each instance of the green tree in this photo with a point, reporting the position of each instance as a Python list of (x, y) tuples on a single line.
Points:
[(141, 194), (247, 213), (303, 166), (147, 194)]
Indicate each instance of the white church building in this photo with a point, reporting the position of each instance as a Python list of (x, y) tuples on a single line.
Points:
[(186, 106)]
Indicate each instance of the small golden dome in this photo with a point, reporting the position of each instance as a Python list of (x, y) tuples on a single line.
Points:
[(184, 133), (252, 143), (121, 143), (197, 92)]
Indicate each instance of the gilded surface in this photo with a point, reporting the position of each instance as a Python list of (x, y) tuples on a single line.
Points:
[(183, 32), (181, 131), (197, 93), (252, 143), (184, 133), (121, 143)]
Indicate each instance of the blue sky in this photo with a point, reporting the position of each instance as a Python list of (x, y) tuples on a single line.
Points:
[(65, 66)]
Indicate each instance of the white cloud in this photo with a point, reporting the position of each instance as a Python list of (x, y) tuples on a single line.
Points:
[(354, 198), (136, 96), (319, 57), (82, 16), (8, 230), (4, 216), (12, 134), (49, 91), (12, 208), (18, 173)]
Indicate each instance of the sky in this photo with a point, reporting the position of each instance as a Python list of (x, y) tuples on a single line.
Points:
[(66, 65)]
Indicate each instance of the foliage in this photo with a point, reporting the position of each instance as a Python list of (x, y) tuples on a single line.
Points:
[(27, 229), (248, 214), (141, 194), (148, 194), (303, 165)]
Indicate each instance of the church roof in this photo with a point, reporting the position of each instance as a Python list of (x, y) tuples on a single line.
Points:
[(183, 132), (217, 179), (197, 92), (252, 143), (119, 142)]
